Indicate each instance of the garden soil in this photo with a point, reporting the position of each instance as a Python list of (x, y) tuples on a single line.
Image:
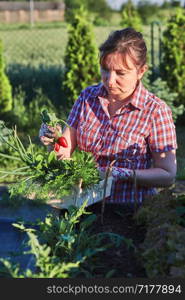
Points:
[(123, 260)]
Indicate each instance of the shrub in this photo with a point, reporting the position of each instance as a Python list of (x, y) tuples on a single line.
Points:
[(101, 8), (30, 79), (147, 11), (162, 251), (5, 87), (130, 17), (161, 89), (34, 108), (5, 152), (98, 21), (71, 6), (81, 58), (173, 46), (26, 116), (19, 114)]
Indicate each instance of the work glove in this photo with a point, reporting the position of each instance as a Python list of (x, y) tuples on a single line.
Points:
[(117, 173), (47, 134), (43, 130)]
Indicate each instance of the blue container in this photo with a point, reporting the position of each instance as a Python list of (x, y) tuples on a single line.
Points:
[(12, 243)]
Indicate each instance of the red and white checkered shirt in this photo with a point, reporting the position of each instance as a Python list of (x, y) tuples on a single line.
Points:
[(143, 125)]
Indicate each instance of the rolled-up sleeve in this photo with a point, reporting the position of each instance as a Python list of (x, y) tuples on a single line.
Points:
[(162, 137)]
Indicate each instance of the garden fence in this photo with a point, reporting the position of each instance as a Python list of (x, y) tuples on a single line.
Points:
[(46, 46), (34, 46)]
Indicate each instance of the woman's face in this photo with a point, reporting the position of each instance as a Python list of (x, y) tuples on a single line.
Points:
[(120, 80)]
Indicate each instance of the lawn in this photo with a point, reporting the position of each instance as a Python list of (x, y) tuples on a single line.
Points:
[(47, 45)]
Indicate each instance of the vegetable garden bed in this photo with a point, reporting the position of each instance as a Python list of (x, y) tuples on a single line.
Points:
[(147, 243), (123, 260)]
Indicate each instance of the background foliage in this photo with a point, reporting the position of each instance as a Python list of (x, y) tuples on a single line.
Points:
[(130, 17), (173, 44), (5, 87), (81, 58)]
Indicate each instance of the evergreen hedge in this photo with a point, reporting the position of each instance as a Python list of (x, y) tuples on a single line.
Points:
[(81, 58), (5, 87), (130, 17), (173, 46)]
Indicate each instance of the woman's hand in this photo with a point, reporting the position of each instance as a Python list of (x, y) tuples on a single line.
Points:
[(117, 173), (63, 153), (122, 173), (47, 134)]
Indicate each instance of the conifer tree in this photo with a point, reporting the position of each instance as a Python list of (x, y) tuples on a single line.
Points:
[(81, 58), (173, 49), (130, 17), (5, 87)]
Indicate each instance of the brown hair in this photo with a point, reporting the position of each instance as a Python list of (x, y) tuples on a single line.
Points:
[(127, 42)]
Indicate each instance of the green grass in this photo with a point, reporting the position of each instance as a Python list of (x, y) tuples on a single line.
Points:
[(34, 46), (47, 45)]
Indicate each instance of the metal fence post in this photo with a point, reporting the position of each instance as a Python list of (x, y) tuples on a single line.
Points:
[(155, 67), (152, 48), (31, 12)]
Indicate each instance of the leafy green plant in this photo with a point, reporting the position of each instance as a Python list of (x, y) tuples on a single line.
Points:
[(162, 251), (81, 58), (24, 114), (101, 9), (49, 118), (160, 88), (98, 21), (42, 174), (5, 87), (181, 213), (6, 152), (148, 11), (173, 46), (49, 266), (32, 77), (40, 102), (19, 114), (130, 17), (65, 247), (54, 179)]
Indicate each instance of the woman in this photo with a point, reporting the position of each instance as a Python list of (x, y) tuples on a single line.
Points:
[(119, 120)]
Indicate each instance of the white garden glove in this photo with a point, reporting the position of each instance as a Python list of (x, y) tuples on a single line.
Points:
[(102, 172), (46, 132), (43, 130), (121, 173), (116, 172)]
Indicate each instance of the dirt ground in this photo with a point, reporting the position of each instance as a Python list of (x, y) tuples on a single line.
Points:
[(119, 219), (123, 260)]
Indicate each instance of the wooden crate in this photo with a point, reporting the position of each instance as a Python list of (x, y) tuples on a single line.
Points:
[(92, 194)]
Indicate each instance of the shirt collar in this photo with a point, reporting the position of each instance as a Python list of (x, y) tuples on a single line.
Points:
[(138, 98)]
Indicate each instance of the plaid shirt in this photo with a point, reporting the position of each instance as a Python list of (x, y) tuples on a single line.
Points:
[(141, 126)]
